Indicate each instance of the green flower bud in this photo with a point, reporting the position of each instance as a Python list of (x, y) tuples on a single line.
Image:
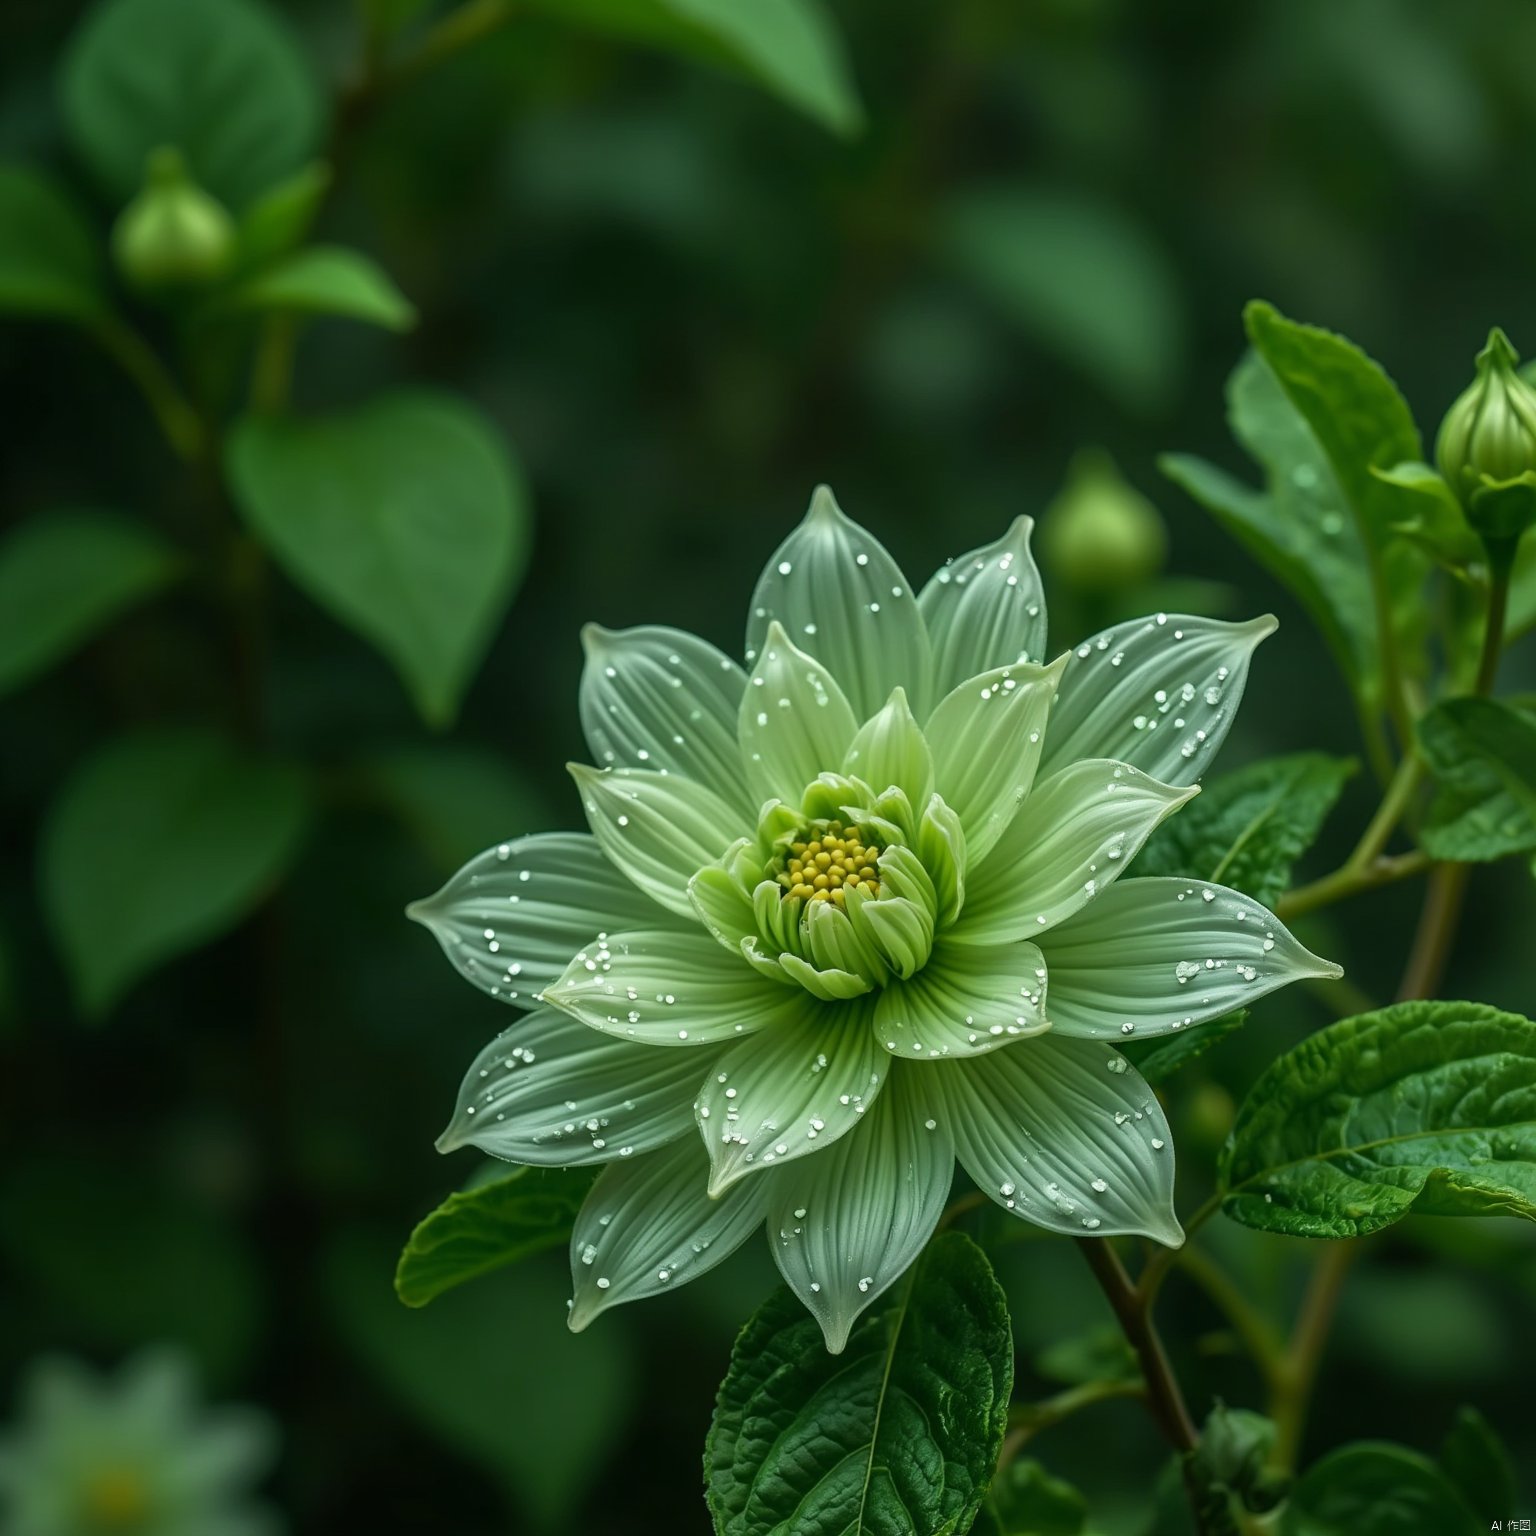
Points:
[(1100, 534), (173, 234), (1489, 434)]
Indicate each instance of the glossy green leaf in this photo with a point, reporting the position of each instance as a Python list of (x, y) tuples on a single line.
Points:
[(1434, 519), (1158, 1060), (65, 576), (406, 519), (50, 259), (1476, 1463), (1482, 809), (1375, 1489), (1424, 1107), (158, 843), (897, 1434), (328, 280), (221, 80), (484, 1228), (1025, 1500), (1247, 829)]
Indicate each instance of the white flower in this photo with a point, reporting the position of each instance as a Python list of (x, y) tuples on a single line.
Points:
[(845, 919)]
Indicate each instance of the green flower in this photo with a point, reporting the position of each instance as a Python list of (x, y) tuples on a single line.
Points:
[(853, 916), (131, 1457)]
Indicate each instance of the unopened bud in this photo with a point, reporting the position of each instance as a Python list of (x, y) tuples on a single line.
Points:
[(173, 234), (1100, 534), (1487, 445)]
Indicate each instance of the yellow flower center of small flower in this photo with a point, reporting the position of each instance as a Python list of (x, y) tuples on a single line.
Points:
[(831, 860), (116, 1499)]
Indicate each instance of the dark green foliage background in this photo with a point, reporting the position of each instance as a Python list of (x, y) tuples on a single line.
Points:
[(684, 305)]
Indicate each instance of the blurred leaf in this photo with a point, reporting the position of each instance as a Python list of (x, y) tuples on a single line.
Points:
[(1247, 829), (160, 842), (1375, 1489), (221, 80), (1429, 1326), (1078, 278), (1099, 1353), (478, 1230), (65, 576), (50, 259), (1481, 809), (1025, 1500), (281, 217), (492, 1370), (1425, 1107), (328, 280), (1158, 1060), (923, 1384), (1522, 591), (1477, 1465), (406, 519), (1434, 519)]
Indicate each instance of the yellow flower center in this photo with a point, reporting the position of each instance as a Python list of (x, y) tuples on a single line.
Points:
[(116, 1499), (832, 860)]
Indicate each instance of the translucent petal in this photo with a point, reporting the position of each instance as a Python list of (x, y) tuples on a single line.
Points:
[(987, 737), (723, 905), (831, 985), (966, 999), (794, 720), (511, 919), (846, 1224), (1150, 956), (891, 750), (649, 1226), (658, 698), (664, 987), (790, 1091), (841, 596), (658, 829), (554, 1093), (1074, 834), (985, 609), (941, 848), (1066, 1134), (1159, 693)]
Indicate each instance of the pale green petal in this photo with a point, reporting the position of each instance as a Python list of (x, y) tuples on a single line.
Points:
[(846, 1224), (1066, 1134), (985, 609), (661, 699), (1074, 834), (658, 829), (891, 750), (663, 987), (649, 1226), (790, 1091), (511, 919), (835, 943), (794, 720), (966, 999), (987, 737), (555, 1093), (831, 985), (839, 595), (898, 930), (1159, 693), (941, 848), (1151, 956), (723, 904)]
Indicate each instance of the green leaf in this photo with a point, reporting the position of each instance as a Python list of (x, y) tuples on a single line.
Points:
[(222, 80), (1077, 277), (487, 1227), (897, 1434), (67, 575), (1434, 519), (328, 280), (1099, 1354), (1425, 1107), (1475, 1462), (789, 47), (1158, 1060), (158, 843), (1482, 808), (1375, 1489), (50, 260), (281, 217), (1026, 1500), (406, 519), (1247, 829)]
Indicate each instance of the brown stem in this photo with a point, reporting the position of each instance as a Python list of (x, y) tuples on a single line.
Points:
[(1436, 932)]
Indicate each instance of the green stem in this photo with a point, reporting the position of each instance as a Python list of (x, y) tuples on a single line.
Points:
[(1155, 1270), (1436, 933), (272, 372), (1258, 1334), (1493, 629), (178, 420), (1297, 1375), (1026, 1420)]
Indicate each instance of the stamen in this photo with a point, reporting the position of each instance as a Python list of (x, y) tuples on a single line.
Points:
[(832, 860)]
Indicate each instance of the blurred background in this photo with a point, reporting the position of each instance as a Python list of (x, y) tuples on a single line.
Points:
[(683, 302)]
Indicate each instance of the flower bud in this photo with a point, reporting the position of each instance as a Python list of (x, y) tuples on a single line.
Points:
[(173, 234), (1100, 534), (1489, 434)]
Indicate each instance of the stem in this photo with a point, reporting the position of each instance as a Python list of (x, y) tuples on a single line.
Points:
[(1436, 932), (1298, 1371), (272, 372), (1155, 1271), (1026, 1420), (177, 419), (1493, 630), (1251, 1326)]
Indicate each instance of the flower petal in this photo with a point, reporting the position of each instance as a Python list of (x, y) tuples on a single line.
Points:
[(838, 593), (658, 698), (846, 1224), (664, 987), (789, 1092), (890, 750), (1149, 956), (794, 720), (648, 1226), (1158, 693), (1066, 1134), (985, 609), (966, 999), (551, 1092), (986, 738), (511, 919), (657, 828), (1074, 834)]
